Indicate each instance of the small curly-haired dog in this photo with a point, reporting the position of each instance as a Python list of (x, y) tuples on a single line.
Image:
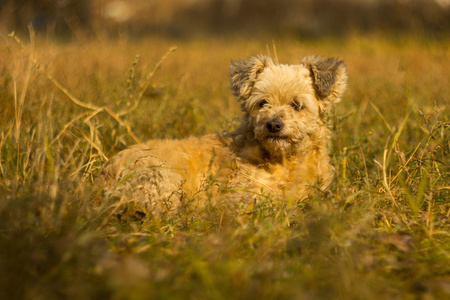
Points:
[(280, 148)]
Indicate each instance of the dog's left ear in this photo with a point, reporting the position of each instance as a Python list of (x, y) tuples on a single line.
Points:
[(329, 76), (244, 73)]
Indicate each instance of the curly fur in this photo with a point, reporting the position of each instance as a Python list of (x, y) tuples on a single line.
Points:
[(281, 146)]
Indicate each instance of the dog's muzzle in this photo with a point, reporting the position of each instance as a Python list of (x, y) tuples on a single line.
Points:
[(274, 125)]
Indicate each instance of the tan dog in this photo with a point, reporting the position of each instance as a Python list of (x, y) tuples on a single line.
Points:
[(280, 147)]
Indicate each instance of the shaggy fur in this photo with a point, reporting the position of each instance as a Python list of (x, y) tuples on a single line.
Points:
[(280, 147)]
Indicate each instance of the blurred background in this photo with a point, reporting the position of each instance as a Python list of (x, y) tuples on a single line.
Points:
[(87, 18)]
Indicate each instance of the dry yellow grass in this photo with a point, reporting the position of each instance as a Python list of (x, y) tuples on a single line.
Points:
[(383, 233)]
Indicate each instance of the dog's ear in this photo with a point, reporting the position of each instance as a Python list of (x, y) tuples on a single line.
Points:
[(329, 76), (244, 73)]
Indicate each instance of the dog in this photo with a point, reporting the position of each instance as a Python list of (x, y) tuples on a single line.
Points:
[(279, 149)]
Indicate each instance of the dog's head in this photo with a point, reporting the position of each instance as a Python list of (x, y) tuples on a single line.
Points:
[(286, 104)]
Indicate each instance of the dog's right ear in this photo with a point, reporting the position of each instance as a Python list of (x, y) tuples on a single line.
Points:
[(244, 73)]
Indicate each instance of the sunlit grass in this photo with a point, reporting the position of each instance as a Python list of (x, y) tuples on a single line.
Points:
[(381, 233)]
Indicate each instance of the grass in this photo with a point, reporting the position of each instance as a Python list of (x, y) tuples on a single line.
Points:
[(382, 233)]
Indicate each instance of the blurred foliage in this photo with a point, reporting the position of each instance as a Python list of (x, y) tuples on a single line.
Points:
[(56, 17), (86, 18)]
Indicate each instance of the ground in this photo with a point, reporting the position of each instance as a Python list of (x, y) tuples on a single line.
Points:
[(381, 233)]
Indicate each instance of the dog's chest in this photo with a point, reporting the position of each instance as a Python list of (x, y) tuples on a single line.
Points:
[(273, 179)]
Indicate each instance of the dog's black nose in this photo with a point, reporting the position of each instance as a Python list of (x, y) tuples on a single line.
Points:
[(274, 125)]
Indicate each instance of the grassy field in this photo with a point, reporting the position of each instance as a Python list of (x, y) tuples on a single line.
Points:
[(382, 233)]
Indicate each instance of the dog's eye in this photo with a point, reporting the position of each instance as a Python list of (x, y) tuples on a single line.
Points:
[(263, 103), (296, 105)]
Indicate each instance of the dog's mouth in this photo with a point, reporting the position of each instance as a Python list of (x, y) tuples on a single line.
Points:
[(279, 145), (273, 138), (276, 137)]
